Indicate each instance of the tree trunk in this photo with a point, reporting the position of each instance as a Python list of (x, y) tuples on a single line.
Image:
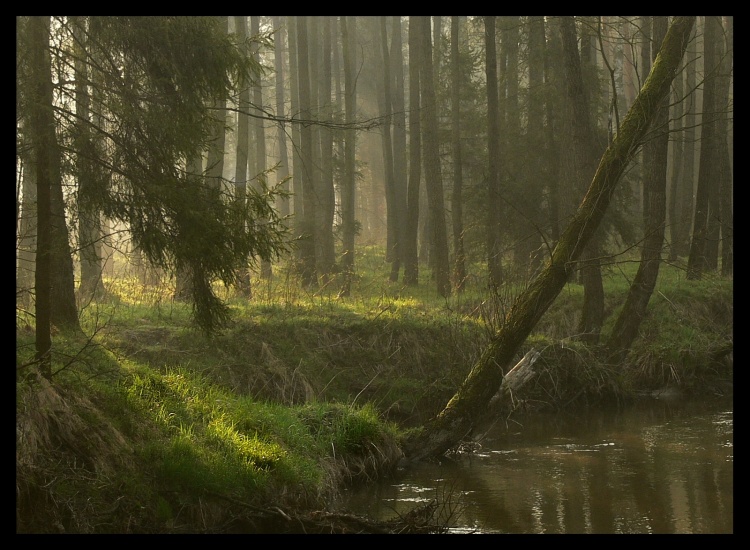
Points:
[(348, 229), (43, 142), (468, 405), (260, 135), (411, 255), (297, 202), (62, 300), (325, 256), (530, 251), (459, 256), (27, 230), (283, 171), (726, 203), (645, 67), (433, 177), (307, 168), (243, 139), (89, 225), (494, 250), (581, 169), (685, 201), (552, 80), (215, 160), (633, 312), (675, 180), (399, 142), (707, 173), (392, 253)]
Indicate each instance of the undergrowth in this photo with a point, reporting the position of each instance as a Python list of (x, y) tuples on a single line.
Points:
[(149, 426)]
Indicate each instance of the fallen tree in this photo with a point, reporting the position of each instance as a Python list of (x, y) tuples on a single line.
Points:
[(469, 405)]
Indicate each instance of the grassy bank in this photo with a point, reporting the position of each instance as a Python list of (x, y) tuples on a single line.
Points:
[(150, 427)]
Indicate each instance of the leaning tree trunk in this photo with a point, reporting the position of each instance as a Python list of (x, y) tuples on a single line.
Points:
[(466, 407)]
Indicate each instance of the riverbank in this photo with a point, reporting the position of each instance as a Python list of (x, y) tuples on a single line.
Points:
[(149, 427)]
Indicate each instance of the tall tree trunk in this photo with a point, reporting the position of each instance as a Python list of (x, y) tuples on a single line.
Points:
[(675, 180), (297, 194), (89, 225), (459, 259), (42, 128), (27, 231), (398, 141), (61, 299), (535, 141), (283, 171), (392, 254), (633, 312), (216, 153), (645, 67), (717, 114), (307, 168), (726, 203), (468, 406), (707, 173), (433, 177), (348, 222), (260, 135), (411, 260), (325, 255), (494, 248), (552, 79), (243, 140), (583, 166), (316, 173), (685, 200), (426, 244)]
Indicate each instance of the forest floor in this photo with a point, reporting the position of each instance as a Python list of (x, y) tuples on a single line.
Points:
[(150, 427)]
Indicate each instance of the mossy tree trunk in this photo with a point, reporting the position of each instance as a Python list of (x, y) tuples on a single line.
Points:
[(467, 407)]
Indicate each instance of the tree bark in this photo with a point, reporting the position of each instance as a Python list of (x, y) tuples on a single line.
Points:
[(582, 166), (707, 173), (677, 129), (726, 202), (307, 169), (411, 255), (348, 229), (685, 201), (459, 256), (494, 251), (325, 255), (42, 137), (392, 253), (62, 300), (260, 134), (297, 202), (398, 114), (433, 176), (89, 225), (467, 407), (283, 171), (243, 138)]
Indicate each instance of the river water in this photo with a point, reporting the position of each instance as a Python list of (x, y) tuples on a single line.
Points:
[(654, 467)]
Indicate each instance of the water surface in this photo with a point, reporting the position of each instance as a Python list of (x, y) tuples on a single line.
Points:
[(654, 467)]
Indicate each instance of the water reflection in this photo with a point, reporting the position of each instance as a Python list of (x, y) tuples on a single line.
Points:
[(653, 468)]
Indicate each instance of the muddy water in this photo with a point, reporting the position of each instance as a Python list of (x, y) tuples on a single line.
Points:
[(654, 467)]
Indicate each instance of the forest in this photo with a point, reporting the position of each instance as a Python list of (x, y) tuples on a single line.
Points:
[(261, 257)]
